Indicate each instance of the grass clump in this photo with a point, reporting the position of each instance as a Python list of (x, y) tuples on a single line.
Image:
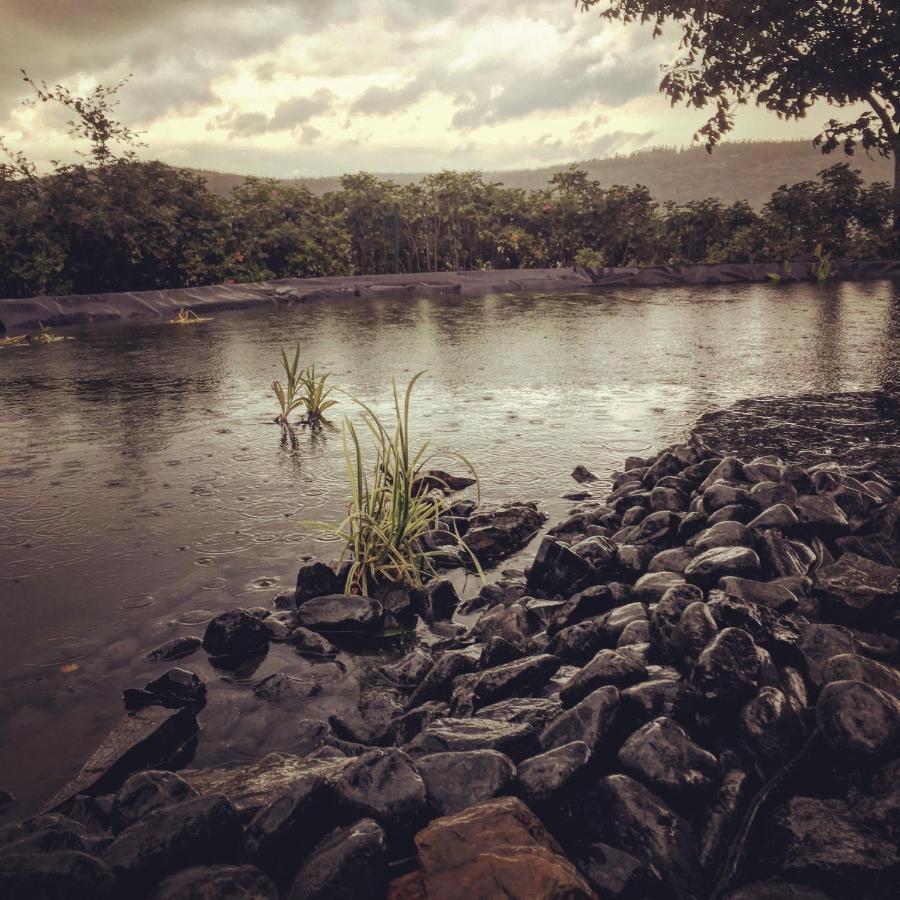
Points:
[(389, 514), (303, 388), (186, 316)]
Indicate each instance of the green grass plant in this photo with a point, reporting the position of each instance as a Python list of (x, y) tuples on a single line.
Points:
[(388, 514), (289, 394), (315, 395)]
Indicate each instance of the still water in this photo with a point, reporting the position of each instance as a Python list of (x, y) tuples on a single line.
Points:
[(144, 487)]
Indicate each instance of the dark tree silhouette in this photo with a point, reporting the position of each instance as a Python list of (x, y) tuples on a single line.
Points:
[(787, 54)]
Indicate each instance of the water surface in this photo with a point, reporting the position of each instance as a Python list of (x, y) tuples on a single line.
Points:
[(145, 488)]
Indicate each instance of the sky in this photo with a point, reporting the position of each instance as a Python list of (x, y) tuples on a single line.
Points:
[(323, 87)]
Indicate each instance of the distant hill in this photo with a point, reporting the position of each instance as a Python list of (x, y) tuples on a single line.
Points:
[(745, 170)]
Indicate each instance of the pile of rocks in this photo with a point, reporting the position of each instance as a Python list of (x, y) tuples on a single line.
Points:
[(692, 692)]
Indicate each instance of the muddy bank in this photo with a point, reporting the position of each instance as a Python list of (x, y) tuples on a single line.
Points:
[(16, 315), (692, 691)]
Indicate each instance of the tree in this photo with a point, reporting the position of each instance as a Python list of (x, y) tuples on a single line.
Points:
[(787, 54)]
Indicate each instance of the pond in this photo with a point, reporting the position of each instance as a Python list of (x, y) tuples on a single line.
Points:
[(145, 487)]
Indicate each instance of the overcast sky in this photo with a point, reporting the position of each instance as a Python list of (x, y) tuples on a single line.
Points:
[(322, 87)]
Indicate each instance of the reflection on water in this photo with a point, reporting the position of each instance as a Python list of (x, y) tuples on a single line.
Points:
[(144, 486)]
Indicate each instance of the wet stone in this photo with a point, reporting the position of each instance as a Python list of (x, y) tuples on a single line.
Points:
[(663, 756), (531, 711), (308, 643), (316, 580), (818, 643), (281, 688), (779, 516), (437, 684), (722, 534), (351, 862), (216, 882), (516, 678), (651, 588), (409, 671), (335, 613), (441, 598), (706, 569), (617, 875), (456, 780), (858, 721), (723, 817), (608, 667), (729, 668), (770, 725), (858, 585), (764, 593), (64, 875), (147, 791), (850, 667), (235, 633), (176, 648), (441, 735), (821, 514), (544, 775), (589, 721)]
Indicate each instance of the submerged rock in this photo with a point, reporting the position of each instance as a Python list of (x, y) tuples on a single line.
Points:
[(337, 613), (235, 633)]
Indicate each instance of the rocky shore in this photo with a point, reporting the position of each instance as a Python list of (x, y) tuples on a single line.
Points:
[(692, 691)]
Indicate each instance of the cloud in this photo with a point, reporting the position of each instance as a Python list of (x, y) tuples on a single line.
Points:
[(288, 115)]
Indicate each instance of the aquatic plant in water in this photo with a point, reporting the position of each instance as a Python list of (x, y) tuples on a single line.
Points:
[(46, 336), (19, 340), (186, 316), (316, 391), (288, 394), (390, 514)]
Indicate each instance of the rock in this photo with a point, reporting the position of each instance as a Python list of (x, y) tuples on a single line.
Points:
[(308, 643), (147, 791), (531, 711), (723, 534), (617, 620), (290, 826), (877, 547), (632, 818), (350, 864), (200, 831), (636, 632), (497, 848), (617, 875), (662, 755), (174, 649), (674, 560), (651, 588), (543, 776), (64, 875), (764, 494), (779, 516), (281, 688), (850, 667), (437, 479), (771, 726), (663, 499), (665, 617), (148, 738), (600, 552), (436, 685), (706, 569), (44, 834), (821, 841), (722, 817), (776, 889), (216, 882), (858, 586), (7, 800), (179, 688), (818, 643), (588, 721), (662, 696), (235, 633), (729, 468), (733, 512), (557, 569), (441, 599), (764, 468), (578, 643), (523, 676), (408, 672), (656, 530), (508, 622), (694, 631), (722, 494), (821, 515), (255, 786), (385, 786), (336, 613), (781, 557), (728, 670), (592, 601), (764, 593), (858, 721), (496, 533), (316, 580), (457, 780), (583, 475), (448, 734), (608, 667)]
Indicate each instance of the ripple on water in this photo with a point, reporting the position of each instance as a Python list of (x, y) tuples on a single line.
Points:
[(61, 649), (264, 582), (137, 601), (198, 616), (224, 542)]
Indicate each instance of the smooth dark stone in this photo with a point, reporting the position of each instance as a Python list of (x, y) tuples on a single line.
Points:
[(408, 672), (441, 599), (441, 735), (578, 643), (665, 617), (656, 530), (776, 889), (721, 494), (308, 643), (404, 728), (818, 643), (65, 875), (850, 667), (44, 834), (148, 738), (558, 570), (674, 560), (729, 668), (821, 515), (694, 631), (764, 593), (349, 864), (771, 727), (617, 875), (286, 830), (456, 780), (281, 688), (200, 831), (175, 649), (651, 588), (336, 613), (216, 883), (722, 817), (521, 677), (733, 512), (608, 667), (657, 697), (437, 684), (592, 601), (858, 586), (235, 633), (316, 580), (532, 711), (147, 791), (179, 687), (494, 534), (706, 569), (722, 534), (589, 721), (544, 775), (662, 756), (779, 516), (858, 721)]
